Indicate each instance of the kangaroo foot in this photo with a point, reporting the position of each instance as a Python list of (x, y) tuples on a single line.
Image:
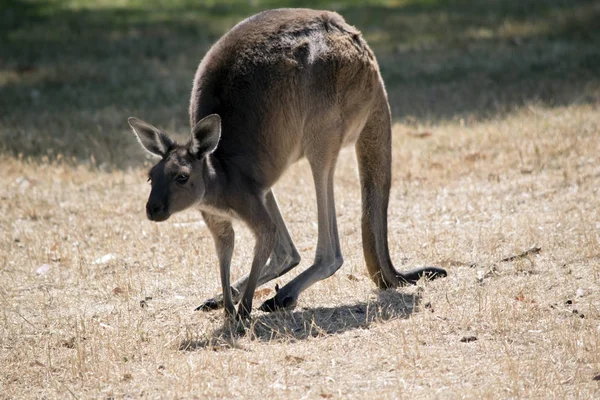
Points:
[(412, 276), (278, 302)]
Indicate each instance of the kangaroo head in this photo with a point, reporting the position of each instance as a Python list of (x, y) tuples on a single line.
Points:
[(178, 178)]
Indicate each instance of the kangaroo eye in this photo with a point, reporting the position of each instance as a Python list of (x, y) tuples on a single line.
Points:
[(182, 179)]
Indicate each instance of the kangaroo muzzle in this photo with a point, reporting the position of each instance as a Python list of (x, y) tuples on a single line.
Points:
[(156, 211)]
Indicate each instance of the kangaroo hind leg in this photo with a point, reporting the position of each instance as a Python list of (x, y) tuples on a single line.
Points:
[(328, 257), (285, 256), (374, 155)]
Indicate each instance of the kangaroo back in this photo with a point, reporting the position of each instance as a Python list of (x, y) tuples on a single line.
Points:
[(283, 81)]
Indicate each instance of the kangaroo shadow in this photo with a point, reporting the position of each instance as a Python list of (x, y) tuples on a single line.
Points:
[(309, 322)]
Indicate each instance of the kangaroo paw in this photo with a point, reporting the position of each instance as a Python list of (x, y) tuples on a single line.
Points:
[(217, 302), (211, 304)]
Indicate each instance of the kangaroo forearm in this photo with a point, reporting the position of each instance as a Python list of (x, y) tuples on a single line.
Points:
[(264, 246)]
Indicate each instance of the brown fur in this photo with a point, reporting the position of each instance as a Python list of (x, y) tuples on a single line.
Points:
[(286, 84)]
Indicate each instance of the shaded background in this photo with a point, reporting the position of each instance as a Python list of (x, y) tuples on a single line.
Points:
[(71, 72)]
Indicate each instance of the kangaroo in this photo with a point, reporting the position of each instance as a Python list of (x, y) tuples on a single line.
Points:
[(280, 86)]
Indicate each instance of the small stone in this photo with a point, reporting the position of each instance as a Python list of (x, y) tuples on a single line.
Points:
[(43, 269)]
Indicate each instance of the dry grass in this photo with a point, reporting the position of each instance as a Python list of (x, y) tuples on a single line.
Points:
[(464, 197), (496, 151)]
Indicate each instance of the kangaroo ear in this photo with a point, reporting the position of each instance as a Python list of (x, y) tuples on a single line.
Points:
[(152, 139), (205, 136)]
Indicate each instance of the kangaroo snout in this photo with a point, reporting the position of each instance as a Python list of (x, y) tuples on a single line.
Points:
[(156, 211)]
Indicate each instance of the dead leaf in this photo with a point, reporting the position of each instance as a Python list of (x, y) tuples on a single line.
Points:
[(263, 292), (294, 359), (533, 250), (520, 297), (472, 157), (36, 363), (420, 135), (454, 263), (70, 343)]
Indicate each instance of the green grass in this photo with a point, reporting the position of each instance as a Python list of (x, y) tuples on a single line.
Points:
[(71, 72)]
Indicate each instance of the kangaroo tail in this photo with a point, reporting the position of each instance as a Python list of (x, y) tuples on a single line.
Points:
[(374, 154)]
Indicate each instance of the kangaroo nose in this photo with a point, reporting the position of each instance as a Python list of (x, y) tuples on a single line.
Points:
[(153, 209)]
